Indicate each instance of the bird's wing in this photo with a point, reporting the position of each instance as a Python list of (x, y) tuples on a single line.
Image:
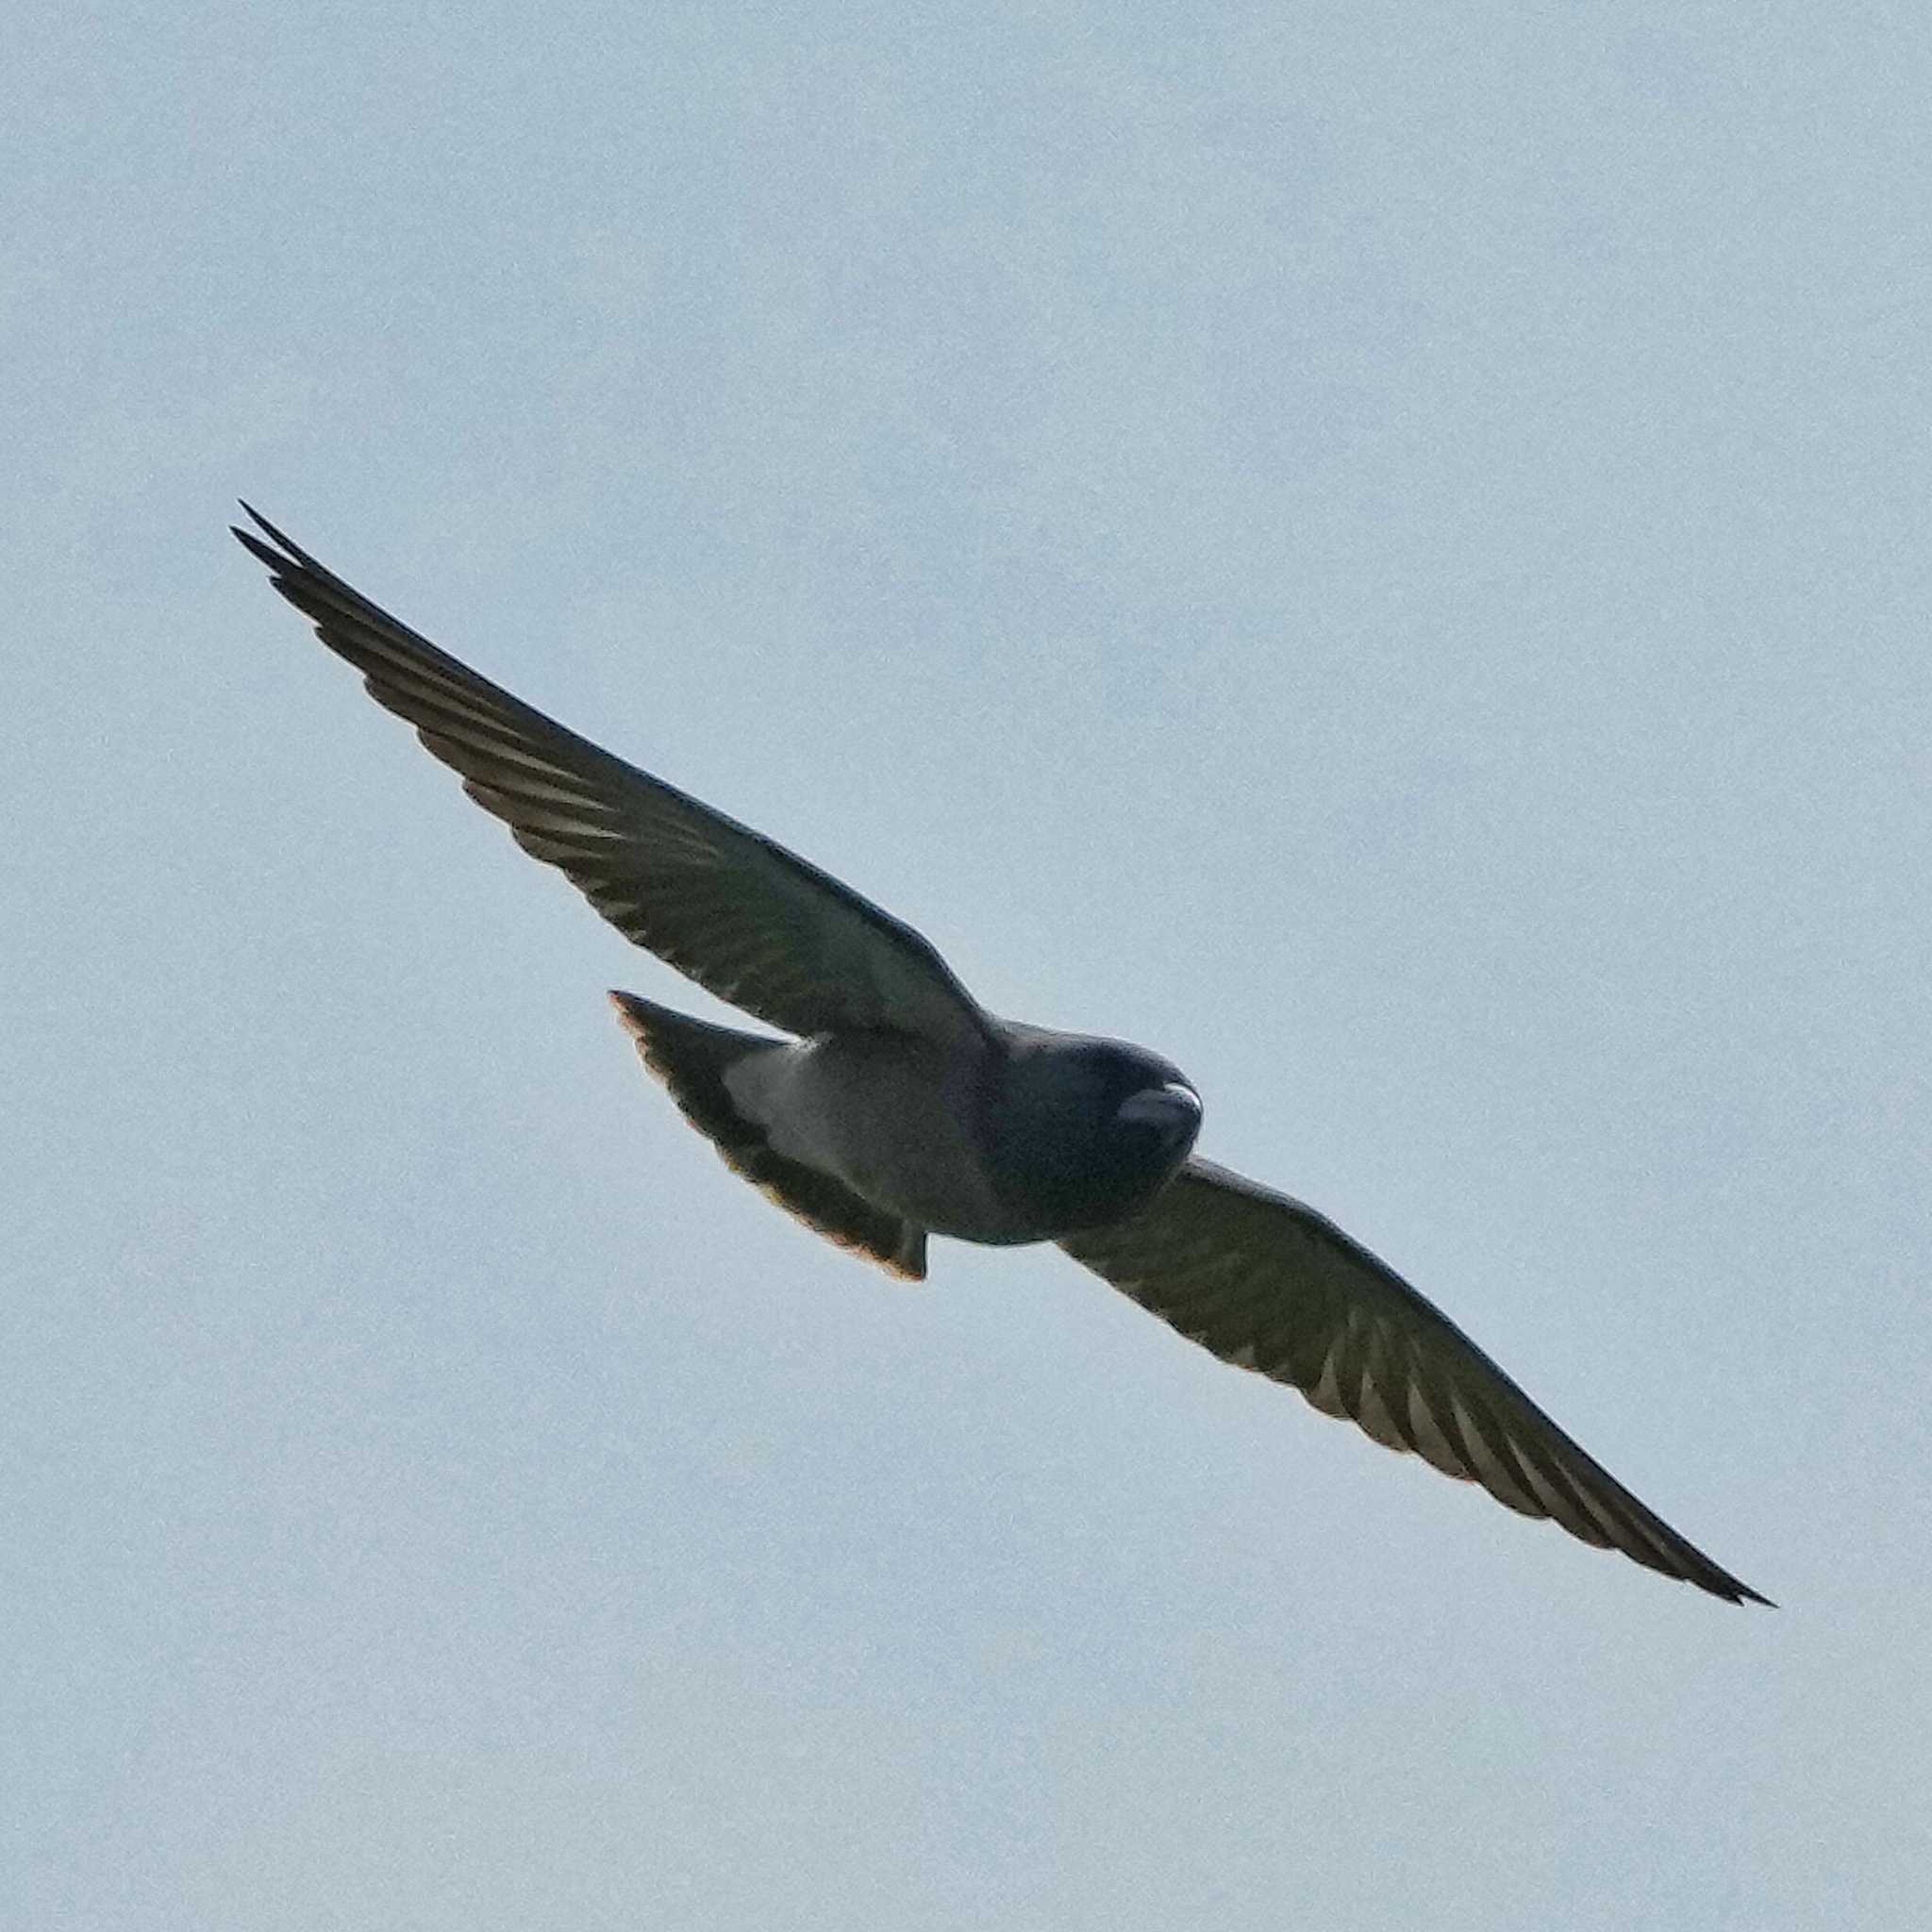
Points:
[(1267, 1284), (748, 921)]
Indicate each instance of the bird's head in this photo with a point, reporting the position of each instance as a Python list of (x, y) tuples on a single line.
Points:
[(1086, 1130)]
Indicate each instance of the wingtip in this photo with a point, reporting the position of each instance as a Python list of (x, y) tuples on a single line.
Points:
[(627, 1015), (256, 548), (286, 551), (277, 558), (1723, 1585)]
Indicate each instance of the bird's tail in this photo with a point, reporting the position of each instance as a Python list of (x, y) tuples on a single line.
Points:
[(691, 1057)]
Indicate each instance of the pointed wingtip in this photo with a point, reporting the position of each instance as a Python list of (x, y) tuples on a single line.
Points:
[(627, 1014), (1723, 1585), (256, 548), (278, 558), (291, 551)]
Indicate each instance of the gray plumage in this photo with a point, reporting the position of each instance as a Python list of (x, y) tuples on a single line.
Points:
[(893, 1106)]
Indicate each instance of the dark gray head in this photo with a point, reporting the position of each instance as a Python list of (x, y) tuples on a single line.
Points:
[(1082, 1131)]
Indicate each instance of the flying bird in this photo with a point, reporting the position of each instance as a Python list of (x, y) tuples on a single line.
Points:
[(891, 1106)]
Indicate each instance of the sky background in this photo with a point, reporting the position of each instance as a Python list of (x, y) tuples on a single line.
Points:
[(1381, 551)]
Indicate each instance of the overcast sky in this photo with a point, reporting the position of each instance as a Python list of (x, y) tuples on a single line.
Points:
[(1381, 551)]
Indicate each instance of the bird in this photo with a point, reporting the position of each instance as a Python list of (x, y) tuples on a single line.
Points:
[(886, 1106)]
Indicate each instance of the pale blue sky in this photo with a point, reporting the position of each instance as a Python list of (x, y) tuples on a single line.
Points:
[(1381, 551)]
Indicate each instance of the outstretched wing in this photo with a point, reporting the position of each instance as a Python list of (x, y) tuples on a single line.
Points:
[(749, 920), (1269, 1284)]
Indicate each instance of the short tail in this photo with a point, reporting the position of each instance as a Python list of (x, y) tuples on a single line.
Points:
[(691, 1057)]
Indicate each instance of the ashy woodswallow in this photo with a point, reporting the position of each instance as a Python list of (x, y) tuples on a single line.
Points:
[(894, 1107)]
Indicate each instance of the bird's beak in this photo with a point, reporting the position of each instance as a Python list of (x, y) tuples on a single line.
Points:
[(1173, 1108)]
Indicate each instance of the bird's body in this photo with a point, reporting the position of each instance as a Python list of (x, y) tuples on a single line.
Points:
[(1017, 1135), (891, 1106), (891, 1117), (921, 1133)]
